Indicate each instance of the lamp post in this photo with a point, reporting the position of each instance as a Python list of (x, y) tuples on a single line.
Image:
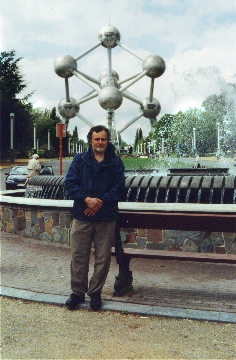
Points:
[(12, 116), (154, 146), (49, 143), (60, 133), (34, 137), (162, 146), (48, 139), (194, 139), (218, 139), (69, 145)]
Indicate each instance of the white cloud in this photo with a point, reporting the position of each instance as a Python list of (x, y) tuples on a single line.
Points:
[(195, 37)]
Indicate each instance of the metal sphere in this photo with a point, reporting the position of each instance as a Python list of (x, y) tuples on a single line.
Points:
[(103, 74), (109, 35), (64, 65), (68, 109), (109, 81), (110, 97), (154, 65), (150, 110)]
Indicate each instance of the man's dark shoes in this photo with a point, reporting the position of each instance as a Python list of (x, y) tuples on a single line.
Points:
[(96, 301), (74, 300)]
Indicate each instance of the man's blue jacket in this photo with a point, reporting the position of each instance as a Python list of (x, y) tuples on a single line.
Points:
[(105, 181)]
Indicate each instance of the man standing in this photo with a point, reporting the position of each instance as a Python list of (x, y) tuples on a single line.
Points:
[(34, 166), (95, 181)]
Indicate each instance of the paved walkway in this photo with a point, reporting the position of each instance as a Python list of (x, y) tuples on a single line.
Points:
[(39, 271)]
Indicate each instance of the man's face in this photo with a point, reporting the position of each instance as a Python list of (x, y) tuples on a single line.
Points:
[(99, 142)]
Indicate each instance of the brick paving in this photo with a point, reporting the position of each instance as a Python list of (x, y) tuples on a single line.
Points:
[(43, 267)]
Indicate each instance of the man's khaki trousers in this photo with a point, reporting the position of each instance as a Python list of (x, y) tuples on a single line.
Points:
[(83, 233)]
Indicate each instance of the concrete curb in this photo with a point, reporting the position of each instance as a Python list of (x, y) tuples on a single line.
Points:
[(144, 310)]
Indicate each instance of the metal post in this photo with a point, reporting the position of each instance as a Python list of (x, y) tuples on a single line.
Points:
[(131, 122), (37, 146), (142, 74), (194, 139), (129, 50), (48, 144), (34, 137), (69, 147), (60, 155), (154, 147), (218, 136), (109, 67), (109, 118), (88, 77), (162, 146), (88, 51), (129, 96), (86, 98), (84, 119), (48, 139), (12, 115), (67, 90), (151, 90), (74, 72)]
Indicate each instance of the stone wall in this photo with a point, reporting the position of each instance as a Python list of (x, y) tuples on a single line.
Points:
[(176, 240), (54, 225)]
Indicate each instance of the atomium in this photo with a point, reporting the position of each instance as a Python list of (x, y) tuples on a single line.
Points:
[(109, 88), (154, 65), (64, 66), (109, 81), (68, 109), (109, 35), (150, 109), (110, 98), (103, 74)]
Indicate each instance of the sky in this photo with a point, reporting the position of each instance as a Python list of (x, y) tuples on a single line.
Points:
[(196, 39)]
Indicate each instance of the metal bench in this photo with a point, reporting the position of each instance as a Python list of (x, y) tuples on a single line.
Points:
[(194, 217)]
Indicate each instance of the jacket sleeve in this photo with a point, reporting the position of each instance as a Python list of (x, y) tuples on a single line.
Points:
[(73, 181), (116, 192)]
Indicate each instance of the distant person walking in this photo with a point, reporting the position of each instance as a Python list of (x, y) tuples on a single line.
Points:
[(34, 166), (197, 161)]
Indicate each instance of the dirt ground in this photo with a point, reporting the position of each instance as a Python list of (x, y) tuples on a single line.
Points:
[(38, 331)]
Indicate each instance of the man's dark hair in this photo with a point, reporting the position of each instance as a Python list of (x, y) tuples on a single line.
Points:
[(97, 129)]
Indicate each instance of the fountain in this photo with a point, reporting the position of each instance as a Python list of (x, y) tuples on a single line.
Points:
[(151, 189)]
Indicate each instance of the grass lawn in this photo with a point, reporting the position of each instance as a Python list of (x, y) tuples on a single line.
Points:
[(160, 164)]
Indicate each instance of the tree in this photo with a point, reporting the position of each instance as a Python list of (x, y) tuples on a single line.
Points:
[(45, 121), (161, 132), (221, 109), (11, 85), (138, 137), (175, 132), (76, 143)]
